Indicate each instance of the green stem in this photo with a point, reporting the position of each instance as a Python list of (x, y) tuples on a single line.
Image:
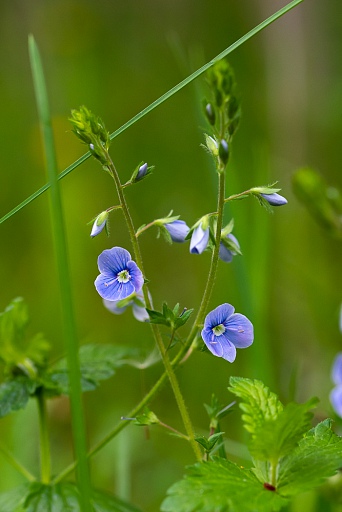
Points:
[(155, 329), (45, 456), (17, 465), (61, 255)]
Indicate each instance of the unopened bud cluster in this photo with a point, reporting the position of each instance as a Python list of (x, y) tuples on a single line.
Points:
[(91, 130)]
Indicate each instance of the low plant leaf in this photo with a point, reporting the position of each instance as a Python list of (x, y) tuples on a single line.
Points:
[(97, 363), (15, 393), (220, 486), (317, 457), (63, 497), (278, 437)]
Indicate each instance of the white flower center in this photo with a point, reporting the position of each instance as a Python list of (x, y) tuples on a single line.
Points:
[(218, 329), (124, 276)]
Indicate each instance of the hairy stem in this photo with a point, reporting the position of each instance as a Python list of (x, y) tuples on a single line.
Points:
[(155, 329)]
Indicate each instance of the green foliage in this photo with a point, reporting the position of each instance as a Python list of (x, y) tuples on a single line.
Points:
[(15, 393), (147, 418), (275, 430), (322, 201), (220, 486), (170, 317), (16, 350), (259, 405), (63, 497), (289, 458), (97, 363), (318, 456), (209, 443)]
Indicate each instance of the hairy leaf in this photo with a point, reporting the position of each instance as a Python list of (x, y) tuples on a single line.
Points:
[(220, 486), (259, 403)]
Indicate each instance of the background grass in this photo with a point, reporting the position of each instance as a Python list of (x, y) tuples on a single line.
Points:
[(116, 58)]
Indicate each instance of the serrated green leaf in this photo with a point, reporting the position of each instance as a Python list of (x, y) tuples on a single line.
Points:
[(259, 403), (97, 363), (63, 497), (318, 456), (278, 437), (221, 486), (15, 393)]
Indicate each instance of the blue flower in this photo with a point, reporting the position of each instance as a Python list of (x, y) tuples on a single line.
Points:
[(178, 230), (99, 224), (199, 239), (226, 254), (224, 331), (336, 393), (139, 311), (274, 199), (120, 276)]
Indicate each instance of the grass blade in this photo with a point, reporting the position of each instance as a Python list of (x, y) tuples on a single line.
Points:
[(60, 246)]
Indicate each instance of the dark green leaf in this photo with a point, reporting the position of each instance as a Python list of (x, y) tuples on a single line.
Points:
[(220, 486), (318, 456), (97, 362), (156, 317), (278, 437), (64, 497), (15, 393)]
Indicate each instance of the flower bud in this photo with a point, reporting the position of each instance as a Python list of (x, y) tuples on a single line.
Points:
[(224, 151), (210, 113), (211, 145), (274, 199), (99, 224)]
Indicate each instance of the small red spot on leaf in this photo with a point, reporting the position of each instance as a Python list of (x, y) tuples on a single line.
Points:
[(269, 487)]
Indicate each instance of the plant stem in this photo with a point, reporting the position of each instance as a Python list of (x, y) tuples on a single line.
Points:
[(45, 456), (274, 467), (17, 465), (155, 329)]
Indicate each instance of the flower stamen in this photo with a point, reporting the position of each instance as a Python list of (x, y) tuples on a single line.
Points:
[(124, 276), (219, 329)]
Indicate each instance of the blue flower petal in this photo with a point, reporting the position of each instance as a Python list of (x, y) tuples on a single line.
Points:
[(219, 315), (336, 372), (199, 240), (274, 199), (336, 400), (112, 261), (111, 289), (239, 330), (178, 230), (137, 279), (225, 254), (229, 350)]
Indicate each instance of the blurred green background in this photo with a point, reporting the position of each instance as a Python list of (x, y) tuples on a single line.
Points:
[(116, 58)]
